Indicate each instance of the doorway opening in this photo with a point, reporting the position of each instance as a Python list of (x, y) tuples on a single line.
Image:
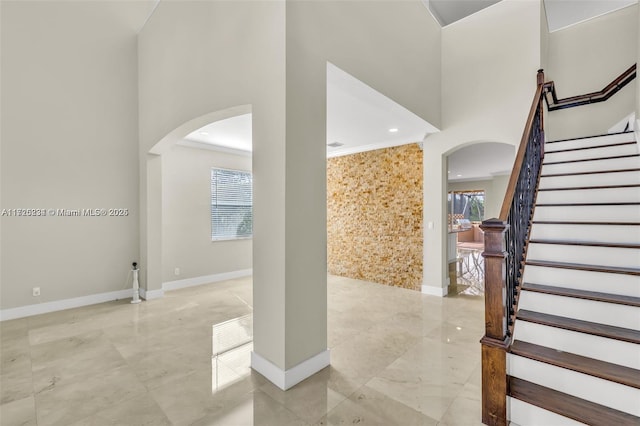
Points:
[(465, 213)]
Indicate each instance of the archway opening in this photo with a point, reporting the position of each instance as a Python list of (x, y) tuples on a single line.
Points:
[(477, 178)]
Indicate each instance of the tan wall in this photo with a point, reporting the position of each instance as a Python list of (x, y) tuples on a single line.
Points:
[(374, 216)]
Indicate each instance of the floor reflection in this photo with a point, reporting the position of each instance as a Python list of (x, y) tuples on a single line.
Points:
[(469, 270), (232, 343)]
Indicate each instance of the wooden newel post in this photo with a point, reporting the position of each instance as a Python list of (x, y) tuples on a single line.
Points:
[(495, 341)]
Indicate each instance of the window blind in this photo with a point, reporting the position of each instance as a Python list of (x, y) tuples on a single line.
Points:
[(231, 204)]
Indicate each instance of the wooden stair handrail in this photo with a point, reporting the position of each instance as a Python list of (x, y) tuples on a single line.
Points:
[(590, 98), (522, 148), (506, 237), (499, 263)]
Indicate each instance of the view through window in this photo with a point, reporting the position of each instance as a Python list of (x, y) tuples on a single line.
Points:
[(465, 207), (231, 204)]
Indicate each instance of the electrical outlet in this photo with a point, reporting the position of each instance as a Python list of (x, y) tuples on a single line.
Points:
[(36, 291), (176, 272)]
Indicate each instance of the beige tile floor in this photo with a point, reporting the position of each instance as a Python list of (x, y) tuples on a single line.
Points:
[(397, 358)]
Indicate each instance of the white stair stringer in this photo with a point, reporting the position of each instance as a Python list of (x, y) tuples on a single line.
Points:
[(620, 284), (603, 392), (588, 345)]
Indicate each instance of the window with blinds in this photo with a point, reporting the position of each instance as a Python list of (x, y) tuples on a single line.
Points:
[(231, 204)]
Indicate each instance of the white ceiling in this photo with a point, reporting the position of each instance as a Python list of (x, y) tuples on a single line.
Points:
[(449, 11), (362, 119), (480, 161), (563, 13), (358, 117), (560, 13), (233, 133)]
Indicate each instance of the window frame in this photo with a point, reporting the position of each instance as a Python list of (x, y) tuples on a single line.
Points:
[(215, 238)]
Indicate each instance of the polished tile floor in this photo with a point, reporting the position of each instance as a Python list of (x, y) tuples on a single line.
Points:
[(397, 358), (470, 269)]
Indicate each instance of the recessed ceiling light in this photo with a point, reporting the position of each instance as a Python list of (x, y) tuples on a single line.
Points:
[(449, 171), (459, 175), (204, 133), (393, 130)]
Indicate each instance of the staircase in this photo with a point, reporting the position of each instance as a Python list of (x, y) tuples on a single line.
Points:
[(574, 356)]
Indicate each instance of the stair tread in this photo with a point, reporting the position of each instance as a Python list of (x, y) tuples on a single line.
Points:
[(569, 406), (585, 243), (596, 329), (590, 173), (630, 132), (594, 367), (619, 299), (579, 188), (582, 148), (593, 268), (569, 222), (581, 160)]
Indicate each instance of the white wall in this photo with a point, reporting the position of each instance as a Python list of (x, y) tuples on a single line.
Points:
[(393, 46), (278, 66), (489, 64), (69, 141), (584, 58), (222, 75), (186, 218)]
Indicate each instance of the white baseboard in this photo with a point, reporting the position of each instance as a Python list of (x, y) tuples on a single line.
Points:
[(435, 291), (206, 279), (151, 294), (76, 302), (60, 305), (291, 377)]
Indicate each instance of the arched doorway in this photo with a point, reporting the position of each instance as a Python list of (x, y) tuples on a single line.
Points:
[(477, 178)]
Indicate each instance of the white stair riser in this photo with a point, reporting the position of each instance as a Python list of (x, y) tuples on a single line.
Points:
[(588, 345), (581, 309), (524, 414), (592, 166), (618, 178), (608, 195), (630, 213), (603, 392), (609, 151), (595, 233), (627, 285), (588, 142), (586, 255)]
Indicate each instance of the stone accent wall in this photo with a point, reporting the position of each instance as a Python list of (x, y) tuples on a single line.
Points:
[(374, 216)]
